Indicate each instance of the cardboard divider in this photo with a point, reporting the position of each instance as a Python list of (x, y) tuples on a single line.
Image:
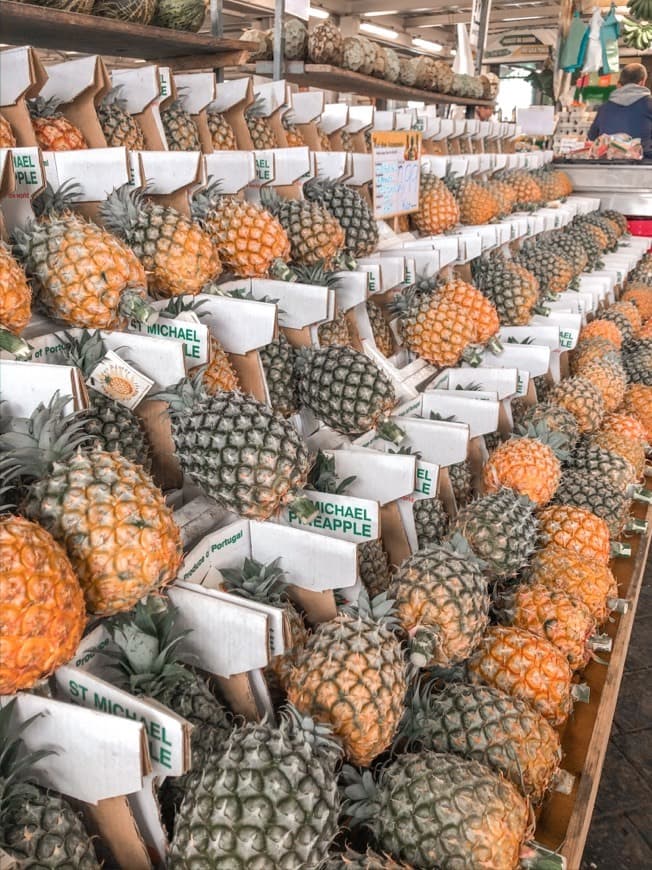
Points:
[(79, 84), (231, 100), (170, 176), (22, 76), (197, 91), (97, 171), (141, 88), (26, 384)]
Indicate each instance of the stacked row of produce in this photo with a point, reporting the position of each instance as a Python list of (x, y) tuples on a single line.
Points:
[(175, 14), (420, 722)]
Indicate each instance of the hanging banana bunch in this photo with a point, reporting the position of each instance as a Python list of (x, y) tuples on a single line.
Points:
[(638, 34)]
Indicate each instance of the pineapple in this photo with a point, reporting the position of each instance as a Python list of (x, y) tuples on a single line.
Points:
[(608, 375), (269, 798), (476, 203), (632, 451), (646, 330), (483, 724), (504, 194), (637, 359), (324, 141), (595, 221), (501, 529), (335, 332), (438, 211), (442, 602), (52, 129), (222, 133), (528, 464), (249, 240), (583, 399), (554, 615), (626, 317), (383, 336), (7, 138), (598, 496), (481, 310), (373, 567), (352, 676), (609, 467), (605, 329), (145, 660), (83, 275), (218, 374), (553, 272), (42, 613), (178, 255), (351, 860), (315, 235), (511, 287), (527, 667), (266, 584), (260, 129), (438, 810), (110, 518), (527, 190), (111, 426), (325, 44), (292, 134), (593, 584), (461, 478), (15, 304), (638, 403), (554, 417), (345, 390), (589, 242), (431, 521), (618, 218), (576, 529), (119, 127), (589, 350), (571, 249), (181, 132), (350, 210), (434, 327), (278, 359), (627, 427), (295, 39), (138, 11), (180, 14), (640, 296), (38, 827), (242, 454), (551, 184)]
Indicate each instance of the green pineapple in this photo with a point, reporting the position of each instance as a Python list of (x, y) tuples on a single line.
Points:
[(350, 860), (352, 213), (501, 529), (119, 127), (38, 827), (554, 417), (461, 478), (598, 463), (484, 724), (278, 358), (181, 131), (267, 799), (597, 495), (512, 288), (146, 658), (440, 811), (637, 359), (260, 130), (315, 235), (240, 452)]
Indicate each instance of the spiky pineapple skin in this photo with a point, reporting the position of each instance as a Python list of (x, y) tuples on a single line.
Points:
[(352, 676), (598, 496), (511, 287), (278, 359), (219, 374), (351, 212), (42, 613), (486, 725), (431, 521), (438, 210), (121, 547), (7, 138), (181, 131), (222, 134), (576, 529), (608, 375), (410, 828), (56, 133), (583, 399), (315, 235), (527, 667), (381, 329), (373, 567), (437, 329), (119, 127), (525, 465), (15, 294), (638, 403)]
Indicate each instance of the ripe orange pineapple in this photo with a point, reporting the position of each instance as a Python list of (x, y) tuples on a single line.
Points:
[(632, 451), (476, 203), (646, 330), (177, 254), (52, 129), (433, 327), (590, 350), (83, 274), (528, 465), (625, 426), (638, 403), (248, 238), (438, 210), (219, 374), (554, 615), (481, 310), (608, 375), (631, 312), (526, 188), (505, 195), (577, 529), (641, 296), (594, 584), (42, 614), (583, 399), (603, 329), (7, 138), (527, 667), (15, 295)]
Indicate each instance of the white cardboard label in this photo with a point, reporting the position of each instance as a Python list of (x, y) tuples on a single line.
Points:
[(379, 477), (351, 519), (117, 380)]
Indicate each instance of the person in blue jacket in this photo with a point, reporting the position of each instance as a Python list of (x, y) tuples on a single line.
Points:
[(628, 109)]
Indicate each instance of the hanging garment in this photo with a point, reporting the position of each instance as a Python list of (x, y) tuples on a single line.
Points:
[(609, 34), (574, 48), (593, 59)]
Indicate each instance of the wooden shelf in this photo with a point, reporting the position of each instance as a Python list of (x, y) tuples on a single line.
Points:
[(565, 820), (332, 78), (23, 24)]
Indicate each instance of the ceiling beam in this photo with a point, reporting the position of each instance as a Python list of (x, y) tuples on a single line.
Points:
[(359, 7), (525, 14)]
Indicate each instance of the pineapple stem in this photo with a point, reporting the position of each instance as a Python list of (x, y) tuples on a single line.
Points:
[(422, 647), (600, 643), (641, 494), (389, 431), (281, 271), (15, 345), (133, 306), (619, 550), (541, 310), (495, 345), (472, 356), (305, 509), (618, 605), (636, 526), (581, 693)]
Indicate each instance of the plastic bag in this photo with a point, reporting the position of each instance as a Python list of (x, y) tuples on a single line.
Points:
[(574, 47), (593, 60)]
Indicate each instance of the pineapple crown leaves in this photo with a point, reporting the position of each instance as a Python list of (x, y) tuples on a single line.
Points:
[(114, 97), (435, 415), (381, 609), (185, 394), (84, 351), (205, 200), (360, 796), (33, 444), (16, 763), (147, 647), (540, 431), (406, 451), (39, 107), (257, 108), (51, 202), (513, 340), (317, 734), (257, 581), (316, 274), (457, 545), (122, 208), (322, 476)]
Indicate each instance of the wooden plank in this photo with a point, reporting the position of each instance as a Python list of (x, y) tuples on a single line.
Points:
[(564, 820), (70, 31), (332, 78)]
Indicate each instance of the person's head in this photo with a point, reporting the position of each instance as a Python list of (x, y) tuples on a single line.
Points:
[(633, 74), (484, 113)]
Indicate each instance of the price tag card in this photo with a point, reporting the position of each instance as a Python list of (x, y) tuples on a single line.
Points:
[(396, 158)]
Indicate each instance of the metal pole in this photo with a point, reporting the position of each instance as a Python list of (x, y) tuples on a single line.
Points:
[(217, 29), (277, 63), (480, 15)]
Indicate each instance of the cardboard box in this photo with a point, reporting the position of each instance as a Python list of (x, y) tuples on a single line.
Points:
[(22, 76), (141, 88), (231, 100), (197, 91), (80, 84)]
